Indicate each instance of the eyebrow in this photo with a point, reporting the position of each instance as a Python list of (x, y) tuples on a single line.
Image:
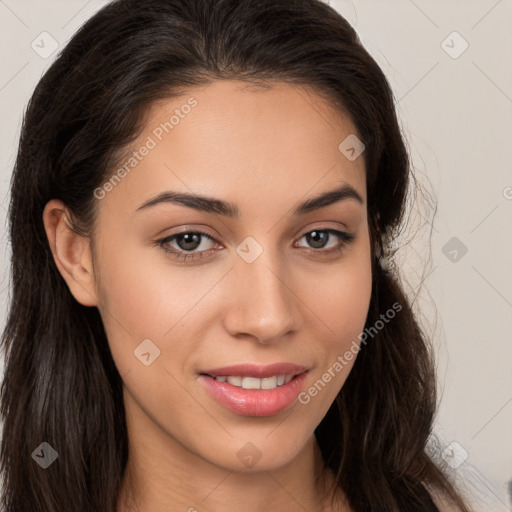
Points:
[(218, 206)]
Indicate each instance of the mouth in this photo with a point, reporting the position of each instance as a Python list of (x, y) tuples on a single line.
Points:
[(249, 395)]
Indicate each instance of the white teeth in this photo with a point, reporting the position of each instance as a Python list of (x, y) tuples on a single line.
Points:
[(235, 381), (269, 383), (255, 383), (251, 383)]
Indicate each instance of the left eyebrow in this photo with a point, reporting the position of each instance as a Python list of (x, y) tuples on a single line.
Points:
[(327, 198), (218, 206)]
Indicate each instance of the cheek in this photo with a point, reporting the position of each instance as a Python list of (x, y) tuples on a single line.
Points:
[(341, 301), (343, 310), (342, 304), (144, 299), (147, 290), (341, 297)]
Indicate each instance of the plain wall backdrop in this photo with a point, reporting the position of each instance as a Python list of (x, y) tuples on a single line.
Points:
[(450, 66)]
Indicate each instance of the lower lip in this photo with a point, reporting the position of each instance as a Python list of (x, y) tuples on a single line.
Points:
[(254, 402)]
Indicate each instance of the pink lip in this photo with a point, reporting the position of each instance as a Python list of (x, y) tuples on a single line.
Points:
[(254, 370), (255, 402)]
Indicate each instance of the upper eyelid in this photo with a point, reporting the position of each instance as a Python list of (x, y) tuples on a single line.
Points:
[(204, 232), (329, 229)]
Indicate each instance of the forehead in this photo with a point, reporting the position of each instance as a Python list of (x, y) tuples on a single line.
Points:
[(241, 109), (233, 139)]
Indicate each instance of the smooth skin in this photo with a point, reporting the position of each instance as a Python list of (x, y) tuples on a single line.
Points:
[(267, 150)]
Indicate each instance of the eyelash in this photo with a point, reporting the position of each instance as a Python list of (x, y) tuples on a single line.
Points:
[(181, 255)]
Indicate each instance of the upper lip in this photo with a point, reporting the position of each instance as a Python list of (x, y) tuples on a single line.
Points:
[(255, 370)]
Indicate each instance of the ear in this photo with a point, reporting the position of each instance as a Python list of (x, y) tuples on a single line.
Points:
[(71, 252)]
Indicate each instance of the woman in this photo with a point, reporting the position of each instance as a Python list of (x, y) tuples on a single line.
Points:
[(203, 316)]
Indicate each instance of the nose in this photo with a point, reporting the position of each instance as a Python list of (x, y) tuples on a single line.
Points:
[(263, 304)]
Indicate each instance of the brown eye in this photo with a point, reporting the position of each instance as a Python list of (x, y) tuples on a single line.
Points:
[(318, 239), (188, 241), (186, 244)]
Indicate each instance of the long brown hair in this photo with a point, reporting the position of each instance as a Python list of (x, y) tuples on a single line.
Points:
[(61, 385)]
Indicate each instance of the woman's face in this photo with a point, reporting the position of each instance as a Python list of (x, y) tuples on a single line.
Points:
[(266, 286)]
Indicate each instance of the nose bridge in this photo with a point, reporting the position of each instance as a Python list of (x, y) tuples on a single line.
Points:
[(263, 304)]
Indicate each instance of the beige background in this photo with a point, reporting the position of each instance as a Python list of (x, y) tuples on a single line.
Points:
[(456, 109)]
